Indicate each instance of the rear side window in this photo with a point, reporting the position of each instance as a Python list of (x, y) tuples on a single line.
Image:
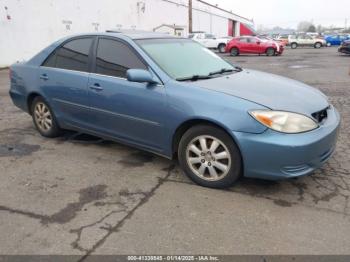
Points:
[(244, 39), (209, 36), (73, 55), (114, 58)]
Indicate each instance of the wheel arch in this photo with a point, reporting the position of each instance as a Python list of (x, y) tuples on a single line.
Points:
[(234, 46), (30, 99), (221, 43), (270, 47), (185, 126)]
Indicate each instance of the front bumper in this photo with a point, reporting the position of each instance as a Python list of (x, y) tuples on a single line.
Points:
[(273, 155), (280, 51)]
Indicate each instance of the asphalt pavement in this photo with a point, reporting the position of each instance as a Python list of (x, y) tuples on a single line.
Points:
[(80, 195)]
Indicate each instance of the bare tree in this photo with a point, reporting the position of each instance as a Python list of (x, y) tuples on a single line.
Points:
[(312, 29), (320, 29), (303, 26)]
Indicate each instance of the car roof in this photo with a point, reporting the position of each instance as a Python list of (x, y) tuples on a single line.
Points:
[(132, 34), (137, 34)]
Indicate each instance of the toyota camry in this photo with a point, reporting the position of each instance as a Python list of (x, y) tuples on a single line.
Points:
[(175, 98)]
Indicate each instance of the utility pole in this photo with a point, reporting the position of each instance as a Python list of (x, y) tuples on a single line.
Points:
[(190, 23), (346, 23)]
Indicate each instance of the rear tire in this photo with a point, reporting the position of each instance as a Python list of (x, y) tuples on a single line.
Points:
[(209, 157), (44, 118), (222, 48), (234, 51), (293, 45), (270, 51)]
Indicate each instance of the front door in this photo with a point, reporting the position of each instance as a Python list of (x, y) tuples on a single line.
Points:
[(121, 109), (254, 45), (210, 41)]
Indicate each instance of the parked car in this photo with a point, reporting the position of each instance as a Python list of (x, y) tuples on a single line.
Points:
[(253, 45), (305, 40), (267, 38), (283, 39), (345, 47), (336, 39), (211, 41), (174, 97)]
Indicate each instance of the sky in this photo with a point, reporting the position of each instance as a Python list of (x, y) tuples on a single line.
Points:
[(287, 13)]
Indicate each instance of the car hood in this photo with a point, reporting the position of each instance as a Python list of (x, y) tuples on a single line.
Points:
[(272, 91)]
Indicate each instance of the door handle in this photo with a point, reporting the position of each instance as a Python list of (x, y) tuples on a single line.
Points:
[(44, 77), (96, 87)]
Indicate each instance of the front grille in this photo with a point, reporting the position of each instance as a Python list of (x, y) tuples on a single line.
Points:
[(320, 115)]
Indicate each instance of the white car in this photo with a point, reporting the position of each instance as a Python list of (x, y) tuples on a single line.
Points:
[(210, 41), (306, 40)]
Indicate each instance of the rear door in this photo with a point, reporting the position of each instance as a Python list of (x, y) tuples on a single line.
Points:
[(125, 110), (243, 45), (63, 80)]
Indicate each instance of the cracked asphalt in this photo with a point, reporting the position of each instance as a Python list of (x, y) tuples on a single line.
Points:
[(80, 195)]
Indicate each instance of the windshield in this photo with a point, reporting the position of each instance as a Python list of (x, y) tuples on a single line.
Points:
[(183, 58)]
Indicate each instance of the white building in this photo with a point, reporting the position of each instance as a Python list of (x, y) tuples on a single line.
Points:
[(27, 26)]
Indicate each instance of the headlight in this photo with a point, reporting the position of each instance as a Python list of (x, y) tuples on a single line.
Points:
[(285, 122)]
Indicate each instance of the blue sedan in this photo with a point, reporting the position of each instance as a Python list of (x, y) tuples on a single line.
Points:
[(175, 98), (336, 39)]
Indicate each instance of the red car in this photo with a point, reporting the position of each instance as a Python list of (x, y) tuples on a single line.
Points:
[(254, 45)]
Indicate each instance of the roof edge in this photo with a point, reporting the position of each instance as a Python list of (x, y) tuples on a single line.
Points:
[(224, 10)]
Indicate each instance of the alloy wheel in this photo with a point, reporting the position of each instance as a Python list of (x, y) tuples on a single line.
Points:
[(208, 158), (43, 117)]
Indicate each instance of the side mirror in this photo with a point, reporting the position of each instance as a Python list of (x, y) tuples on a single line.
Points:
[(258, 42), (140, 76)]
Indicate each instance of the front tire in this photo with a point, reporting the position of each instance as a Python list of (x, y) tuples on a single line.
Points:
[(294, 45), (209, 157), (270, 51), (44, 119)]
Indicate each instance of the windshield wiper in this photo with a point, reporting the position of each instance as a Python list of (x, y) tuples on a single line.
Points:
[(226, 70), (194, 78), (210, 75)]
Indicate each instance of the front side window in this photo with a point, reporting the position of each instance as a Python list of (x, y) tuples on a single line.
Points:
[(252, 40), (114, 58), (73, 55), (181, 58)]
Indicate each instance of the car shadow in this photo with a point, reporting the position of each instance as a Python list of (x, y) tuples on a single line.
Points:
[(315, 188)]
